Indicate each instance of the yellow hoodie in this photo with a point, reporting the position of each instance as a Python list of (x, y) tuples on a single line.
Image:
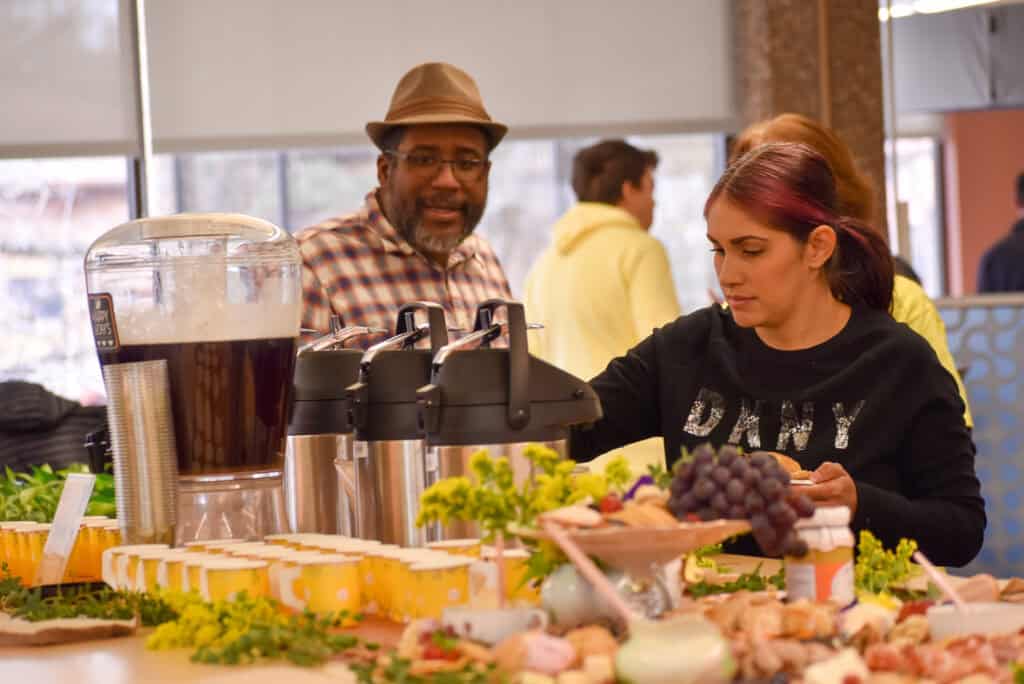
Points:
[(911, 305), (599, 289)]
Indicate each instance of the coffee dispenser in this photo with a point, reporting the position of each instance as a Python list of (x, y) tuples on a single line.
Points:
[(216, 300), (319, 470), (391, 466), (498, 399)]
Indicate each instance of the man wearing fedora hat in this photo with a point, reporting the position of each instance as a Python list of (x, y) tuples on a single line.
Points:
[(413, 238)]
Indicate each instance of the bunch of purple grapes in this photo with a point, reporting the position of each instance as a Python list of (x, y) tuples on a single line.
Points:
[(737, 487)]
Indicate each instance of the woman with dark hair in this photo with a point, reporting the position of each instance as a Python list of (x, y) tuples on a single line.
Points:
[(856, 197), (805, 361)]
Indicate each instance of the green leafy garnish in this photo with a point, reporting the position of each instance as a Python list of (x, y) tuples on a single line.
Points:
[(445, 642), (103, 604), (877, 569), (246, 629), (661, 476), (33, 496), (490, 497), (750, 581), (399, 671)]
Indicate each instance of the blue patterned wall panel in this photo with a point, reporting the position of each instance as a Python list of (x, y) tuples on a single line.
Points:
[(986, 336)]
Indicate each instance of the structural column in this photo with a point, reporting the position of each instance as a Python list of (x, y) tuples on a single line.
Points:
[(819, 58)]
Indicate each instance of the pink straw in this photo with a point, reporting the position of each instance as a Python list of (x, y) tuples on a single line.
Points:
[(942, 582), (499, 560), (590, 571)]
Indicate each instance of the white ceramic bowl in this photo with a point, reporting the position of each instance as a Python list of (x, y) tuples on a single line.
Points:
[(982, 618)]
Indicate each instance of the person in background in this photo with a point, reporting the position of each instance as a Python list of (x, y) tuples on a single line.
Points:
[(910, 303), (1002, 266), (604, 283), (805, 361), (902, 267), (413, 238), (38, 426)]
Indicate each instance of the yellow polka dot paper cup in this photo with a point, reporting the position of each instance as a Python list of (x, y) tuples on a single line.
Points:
[(242, 548), (402, 582), (322, 584), (439, 585), (225, 579), (170, 572), (191, 579), (458, 547), (274, 556), (212, 546), (115, 562), (92, 533), (147, 570), (290, 585)]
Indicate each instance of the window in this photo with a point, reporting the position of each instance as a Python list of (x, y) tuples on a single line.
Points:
[(918, 166), (686, 174), (50, 212), (52, 209), (529, 190)]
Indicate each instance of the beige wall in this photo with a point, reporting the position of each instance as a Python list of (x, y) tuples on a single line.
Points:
[(984, 154)]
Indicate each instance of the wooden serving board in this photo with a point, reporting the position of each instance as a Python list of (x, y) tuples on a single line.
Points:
[(18, 632)]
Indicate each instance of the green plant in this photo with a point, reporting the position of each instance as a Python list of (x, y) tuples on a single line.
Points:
[(877, 569), (750, 581), (399, 671), (34, 495), (104, 604), (490, 497)]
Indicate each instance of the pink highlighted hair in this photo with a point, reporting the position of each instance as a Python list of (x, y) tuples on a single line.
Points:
[(790, 187)]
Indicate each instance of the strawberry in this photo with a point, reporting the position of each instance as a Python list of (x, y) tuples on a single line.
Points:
[(914, 608), (609, 504), (433, 652)]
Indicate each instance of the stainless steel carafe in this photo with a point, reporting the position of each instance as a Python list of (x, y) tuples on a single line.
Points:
[(500, 400), (319, 477), (391, 466)]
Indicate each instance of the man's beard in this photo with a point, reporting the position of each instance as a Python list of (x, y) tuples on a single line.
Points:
[(406, 217)]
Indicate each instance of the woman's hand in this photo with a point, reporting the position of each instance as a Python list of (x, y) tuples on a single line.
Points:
[(832, 486)]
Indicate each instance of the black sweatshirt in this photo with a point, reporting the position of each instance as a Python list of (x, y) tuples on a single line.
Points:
[(874, 398)]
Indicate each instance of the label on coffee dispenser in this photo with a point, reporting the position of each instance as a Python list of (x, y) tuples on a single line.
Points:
[(104, 327)]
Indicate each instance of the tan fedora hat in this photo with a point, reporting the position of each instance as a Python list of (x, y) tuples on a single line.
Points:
[(436, 93)]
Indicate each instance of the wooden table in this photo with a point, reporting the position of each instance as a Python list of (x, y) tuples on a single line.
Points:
[(126, 660)]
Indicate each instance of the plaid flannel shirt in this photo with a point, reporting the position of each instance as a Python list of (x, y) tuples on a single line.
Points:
[(361, 269)]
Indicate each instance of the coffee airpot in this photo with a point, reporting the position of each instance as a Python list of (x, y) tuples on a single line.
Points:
[(497, 399), (391, 465)]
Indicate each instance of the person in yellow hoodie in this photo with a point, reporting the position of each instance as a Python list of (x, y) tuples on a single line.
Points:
[(604, 283), (910, 304)]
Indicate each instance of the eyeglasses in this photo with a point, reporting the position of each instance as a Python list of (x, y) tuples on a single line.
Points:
[(465, 170)]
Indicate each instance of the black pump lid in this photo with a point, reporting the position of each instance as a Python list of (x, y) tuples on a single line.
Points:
[(384, 398), (499, 396), (320, 393)]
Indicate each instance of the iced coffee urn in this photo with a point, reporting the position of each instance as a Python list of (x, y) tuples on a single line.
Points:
[(210, 306)]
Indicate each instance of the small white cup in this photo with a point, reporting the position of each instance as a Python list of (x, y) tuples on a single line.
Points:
[(490, 626)]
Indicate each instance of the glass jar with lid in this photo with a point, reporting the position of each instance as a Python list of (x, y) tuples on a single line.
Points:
[(826, 572)]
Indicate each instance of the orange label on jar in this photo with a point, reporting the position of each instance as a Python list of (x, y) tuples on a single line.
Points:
[(820, 581)]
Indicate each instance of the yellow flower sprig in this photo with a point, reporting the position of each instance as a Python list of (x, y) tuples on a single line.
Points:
[(490, 495), (246, 629)]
